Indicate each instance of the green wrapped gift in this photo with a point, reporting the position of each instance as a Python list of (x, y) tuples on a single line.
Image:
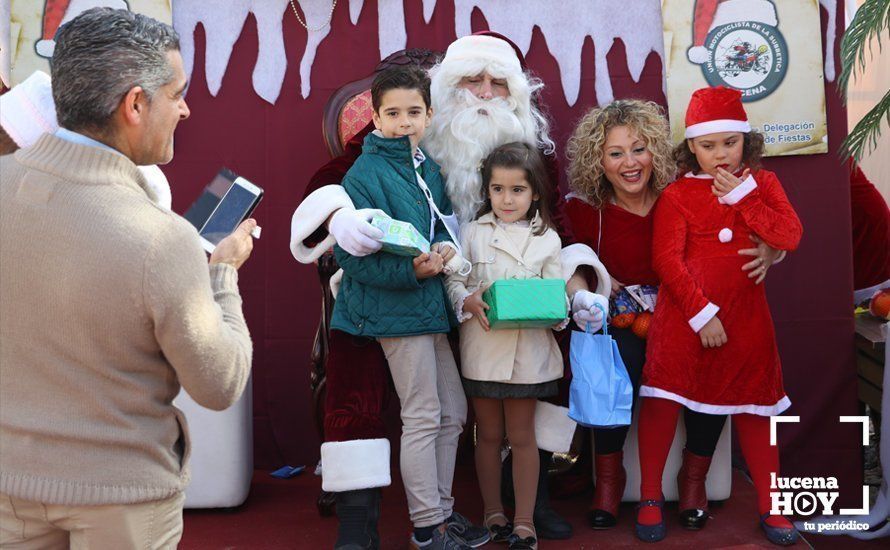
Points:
[(526, 303), (400, 237)]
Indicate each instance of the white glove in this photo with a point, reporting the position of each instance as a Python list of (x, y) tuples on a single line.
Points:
[(585, 312), (353, 232)]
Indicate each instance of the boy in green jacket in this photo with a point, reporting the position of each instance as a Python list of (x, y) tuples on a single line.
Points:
[(402, 301)]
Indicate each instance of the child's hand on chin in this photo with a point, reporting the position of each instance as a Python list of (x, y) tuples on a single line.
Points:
[(474, 304), (712, 334), (724, 181), (428, 265)]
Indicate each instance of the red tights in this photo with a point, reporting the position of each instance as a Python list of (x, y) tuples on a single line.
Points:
[(658, 422)]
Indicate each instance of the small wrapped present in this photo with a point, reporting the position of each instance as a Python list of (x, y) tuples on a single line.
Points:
[(525, 303), (400, 237)]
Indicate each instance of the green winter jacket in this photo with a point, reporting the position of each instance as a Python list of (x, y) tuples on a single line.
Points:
[(379, 295)]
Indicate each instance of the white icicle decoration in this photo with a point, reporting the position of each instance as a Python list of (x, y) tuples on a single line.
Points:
[(565, 24), (830, 33)]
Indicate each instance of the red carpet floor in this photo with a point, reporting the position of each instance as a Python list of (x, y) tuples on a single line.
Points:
[(281, 514)]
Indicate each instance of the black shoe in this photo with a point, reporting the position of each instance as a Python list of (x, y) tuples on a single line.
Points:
[(651, 533), (600, 519), (548, 523), (781, 536), (357, 514), (464, 531)]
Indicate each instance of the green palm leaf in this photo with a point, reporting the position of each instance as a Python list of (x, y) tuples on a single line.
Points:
[(867, 131), (871, 19)]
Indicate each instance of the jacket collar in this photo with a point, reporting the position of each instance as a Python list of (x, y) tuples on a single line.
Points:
[(501, 240)]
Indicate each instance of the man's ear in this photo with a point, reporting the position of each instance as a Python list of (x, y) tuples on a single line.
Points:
[(375, 117), (429, 115), (133, 105)]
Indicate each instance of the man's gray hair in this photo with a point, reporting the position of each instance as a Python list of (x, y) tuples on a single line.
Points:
[(99, 56)]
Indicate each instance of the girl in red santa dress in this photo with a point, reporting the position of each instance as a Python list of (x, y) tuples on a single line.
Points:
[(712, 346)]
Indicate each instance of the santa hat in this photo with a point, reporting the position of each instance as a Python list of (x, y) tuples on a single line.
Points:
[(479, 48), (58, 12), (713, 110), (27, 111), (710, 14)]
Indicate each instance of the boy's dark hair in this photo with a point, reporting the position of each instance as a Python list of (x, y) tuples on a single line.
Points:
[(406, 77), (752, 152), (524, 157)]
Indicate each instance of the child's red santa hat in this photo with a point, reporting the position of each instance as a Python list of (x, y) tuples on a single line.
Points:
[(713, 110), (710, 14), (58, 12)]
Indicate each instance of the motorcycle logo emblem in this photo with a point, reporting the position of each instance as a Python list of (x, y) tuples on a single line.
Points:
[(748, 56)]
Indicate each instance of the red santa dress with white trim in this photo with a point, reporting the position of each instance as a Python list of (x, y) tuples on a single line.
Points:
[(695, 253)]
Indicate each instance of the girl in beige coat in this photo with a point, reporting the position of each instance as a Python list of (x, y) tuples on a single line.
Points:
[(506, 371)]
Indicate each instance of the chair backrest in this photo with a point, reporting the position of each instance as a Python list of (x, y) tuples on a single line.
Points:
[(349, 108)]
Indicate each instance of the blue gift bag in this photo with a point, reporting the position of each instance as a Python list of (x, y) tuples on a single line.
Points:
[(601, 394)]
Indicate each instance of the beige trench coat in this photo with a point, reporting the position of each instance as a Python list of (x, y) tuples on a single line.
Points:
[(517, 356)]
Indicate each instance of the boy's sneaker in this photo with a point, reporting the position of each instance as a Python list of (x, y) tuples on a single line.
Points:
[(464, 531), (442, 539)]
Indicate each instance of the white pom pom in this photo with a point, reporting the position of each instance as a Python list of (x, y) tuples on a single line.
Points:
[(725, 235), (698, 54)]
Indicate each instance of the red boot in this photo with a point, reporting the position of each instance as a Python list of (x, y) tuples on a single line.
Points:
[(610, 480), (693, 503)]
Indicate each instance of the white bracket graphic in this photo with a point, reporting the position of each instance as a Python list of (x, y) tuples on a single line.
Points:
[(773, 420), (858, 511), (864, 421)]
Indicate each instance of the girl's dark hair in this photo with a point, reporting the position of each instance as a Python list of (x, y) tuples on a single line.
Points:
[(527, 158), (752, 152), (400, 77)]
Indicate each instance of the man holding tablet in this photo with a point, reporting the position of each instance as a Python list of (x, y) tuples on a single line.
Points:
[(108, 303)]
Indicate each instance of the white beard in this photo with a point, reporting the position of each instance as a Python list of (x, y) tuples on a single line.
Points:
[(461, 136)]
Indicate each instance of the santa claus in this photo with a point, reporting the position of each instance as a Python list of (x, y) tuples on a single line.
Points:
[(482, 97)]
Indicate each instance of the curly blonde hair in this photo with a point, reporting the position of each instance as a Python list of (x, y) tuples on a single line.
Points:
[(584, 149)]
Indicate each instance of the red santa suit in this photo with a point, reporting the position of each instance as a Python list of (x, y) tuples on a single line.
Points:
[(695, 252)]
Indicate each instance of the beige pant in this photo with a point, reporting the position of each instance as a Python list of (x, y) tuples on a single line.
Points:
[(434, 410), (27, 525)]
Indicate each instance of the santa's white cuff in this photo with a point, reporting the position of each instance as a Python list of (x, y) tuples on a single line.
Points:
[(311, 215), (702, 317), (554, 430), (354, 465), (739, 192), (27, 111), (576, 255)]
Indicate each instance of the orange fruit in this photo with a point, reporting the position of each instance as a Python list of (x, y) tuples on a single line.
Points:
[(641, 324), (880, 304), (623, 320)]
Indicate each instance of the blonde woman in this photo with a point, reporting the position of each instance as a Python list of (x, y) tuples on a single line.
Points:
[(619, 163)]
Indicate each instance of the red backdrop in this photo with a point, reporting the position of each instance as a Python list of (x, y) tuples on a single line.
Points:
[(279, 146)]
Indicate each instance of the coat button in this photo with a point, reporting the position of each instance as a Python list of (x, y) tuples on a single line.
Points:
[(725, 235)]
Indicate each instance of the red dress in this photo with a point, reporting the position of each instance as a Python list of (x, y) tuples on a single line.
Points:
[(695, 252)]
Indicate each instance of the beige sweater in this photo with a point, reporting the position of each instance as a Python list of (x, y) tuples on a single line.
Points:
[(107, 305)]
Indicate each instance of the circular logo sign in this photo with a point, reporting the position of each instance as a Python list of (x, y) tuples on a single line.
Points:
[(748, 56)]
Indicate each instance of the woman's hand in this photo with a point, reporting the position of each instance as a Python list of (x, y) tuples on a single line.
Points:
[(724, 181), (427, 265), (766, 256), (712, 334), (474, 304), (616, 287)]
